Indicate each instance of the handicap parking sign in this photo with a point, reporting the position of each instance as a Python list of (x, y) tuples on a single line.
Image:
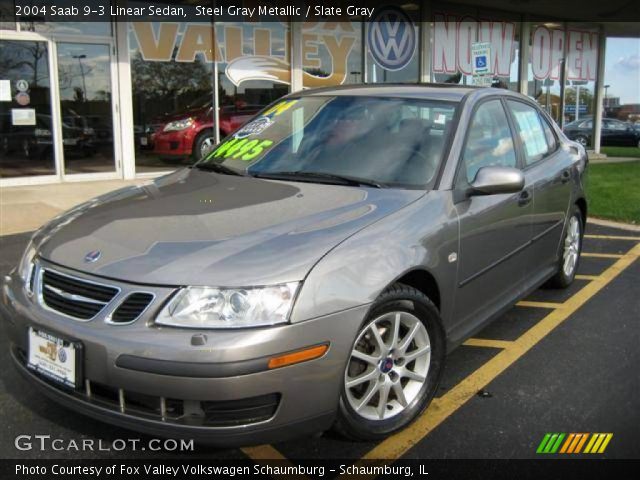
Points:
[(481, 56), (481, 62)]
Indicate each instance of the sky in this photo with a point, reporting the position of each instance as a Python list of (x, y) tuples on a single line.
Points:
[(622, 69)]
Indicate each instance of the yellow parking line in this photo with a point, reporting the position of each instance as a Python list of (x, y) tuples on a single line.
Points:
[(601, 255), (485, 342), (591, 278), (613, 237), (441, 408), (553, 305)]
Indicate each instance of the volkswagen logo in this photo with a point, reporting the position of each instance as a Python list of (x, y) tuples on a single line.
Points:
[(391, 38), (62, 355), (92, 256)]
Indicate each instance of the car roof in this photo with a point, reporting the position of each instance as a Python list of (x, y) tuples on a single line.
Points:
[(431, 91)]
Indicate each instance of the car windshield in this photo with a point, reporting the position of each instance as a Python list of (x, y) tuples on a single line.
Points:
[(393, 142)]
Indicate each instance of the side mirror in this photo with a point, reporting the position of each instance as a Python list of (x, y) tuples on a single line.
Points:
[(494, 180)]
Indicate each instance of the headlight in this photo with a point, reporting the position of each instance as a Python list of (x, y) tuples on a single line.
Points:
[(178, 125), (207, 307), (26, 267)]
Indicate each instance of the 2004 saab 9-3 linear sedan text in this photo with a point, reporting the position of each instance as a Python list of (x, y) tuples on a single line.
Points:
[(311, 272)]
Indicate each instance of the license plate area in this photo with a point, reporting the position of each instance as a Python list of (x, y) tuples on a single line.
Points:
[(57, 359)]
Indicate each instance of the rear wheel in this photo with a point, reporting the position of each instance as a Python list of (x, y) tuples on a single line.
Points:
[(394, 366), (571, 248)]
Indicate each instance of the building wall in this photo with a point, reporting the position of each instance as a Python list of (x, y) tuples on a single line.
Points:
[(140, 98)]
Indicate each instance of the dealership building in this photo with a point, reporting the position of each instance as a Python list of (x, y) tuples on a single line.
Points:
[(127, 99)]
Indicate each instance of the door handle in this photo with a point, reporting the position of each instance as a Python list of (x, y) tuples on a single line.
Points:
[(524, 198), (565, 176)]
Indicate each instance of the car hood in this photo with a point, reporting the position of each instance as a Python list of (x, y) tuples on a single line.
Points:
[(201, 228), (193, 112)]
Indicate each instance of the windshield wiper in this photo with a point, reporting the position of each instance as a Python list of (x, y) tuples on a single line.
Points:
[(321, 177), (216, 167)]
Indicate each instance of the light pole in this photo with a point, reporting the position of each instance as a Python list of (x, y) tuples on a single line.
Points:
[(84, 85), (606, 100)]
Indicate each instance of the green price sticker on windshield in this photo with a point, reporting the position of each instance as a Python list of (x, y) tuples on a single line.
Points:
[(240, 148)]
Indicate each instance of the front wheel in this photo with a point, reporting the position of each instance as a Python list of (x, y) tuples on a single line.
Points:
[(394, 366), (203, 145), (582, 140), (571, 248)]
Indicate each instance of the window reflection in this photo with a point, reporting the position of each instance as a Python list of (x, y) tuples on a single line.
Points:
[(455, 30), (84, 79), (331, 53), (26, 140), (393, 43)]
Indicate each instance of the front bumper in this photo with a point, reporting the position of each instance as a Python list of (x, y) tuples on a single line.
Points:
[(174, 143), (218, 390)]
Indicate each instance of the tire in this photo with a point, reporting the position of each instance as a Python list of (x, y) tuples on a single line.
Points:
[(361, 405), (571, 246), (203, 144), (582, 140)]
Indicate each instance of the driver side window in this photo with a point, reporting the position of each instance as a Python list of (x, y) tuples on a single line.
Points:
[(489, 141)]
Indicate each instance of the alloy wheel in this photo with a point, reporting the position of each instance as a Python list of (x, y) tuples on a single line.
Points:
[(388, 366), (206, 146), (571, 247)]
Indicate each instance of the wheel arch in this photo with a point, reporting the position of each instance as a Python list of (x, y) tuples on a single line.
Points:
[(423, 281), (582, 205)]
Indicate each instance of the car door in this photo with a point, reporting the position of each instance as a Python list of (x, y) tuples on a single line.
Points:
[(494, 229), (547, 169), (621, 133), (608, 135)]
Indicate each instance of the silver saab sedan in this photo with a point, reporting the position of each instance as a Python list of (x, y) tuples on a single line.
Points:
[(311, 272)]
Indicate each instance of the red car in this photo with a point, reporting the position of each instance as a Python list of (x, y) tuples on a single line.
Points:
[(191, 132)]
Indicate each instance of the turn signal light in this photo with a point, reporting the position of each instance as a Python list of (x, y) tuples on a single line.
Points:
[(298, 356)]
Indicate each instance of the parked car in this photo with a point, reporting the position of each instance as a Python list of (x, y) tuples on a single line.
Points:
[(36, 141), (311, 272), (614, 132), (191, 131)]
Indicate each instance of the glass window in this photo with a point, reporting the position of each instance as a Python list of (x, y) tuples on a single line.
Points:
[(26, 138), (396, 142), (529, 126), (172, 84), (331, 53), (392, 43), (489, 140), (172, 70), (546, 47), (548, 133), (84, 79), (615, 125), (582, 65), (456, 29), (253, 69)]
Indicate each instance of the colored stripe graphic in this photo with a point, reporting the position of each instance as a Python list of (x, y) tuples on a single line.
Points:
[(550, 443), (597, 443)]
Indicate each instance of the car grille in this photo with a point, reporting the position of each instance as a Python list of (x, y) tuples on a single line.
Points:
[(205, 413), (73, 296), (132, 307)]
